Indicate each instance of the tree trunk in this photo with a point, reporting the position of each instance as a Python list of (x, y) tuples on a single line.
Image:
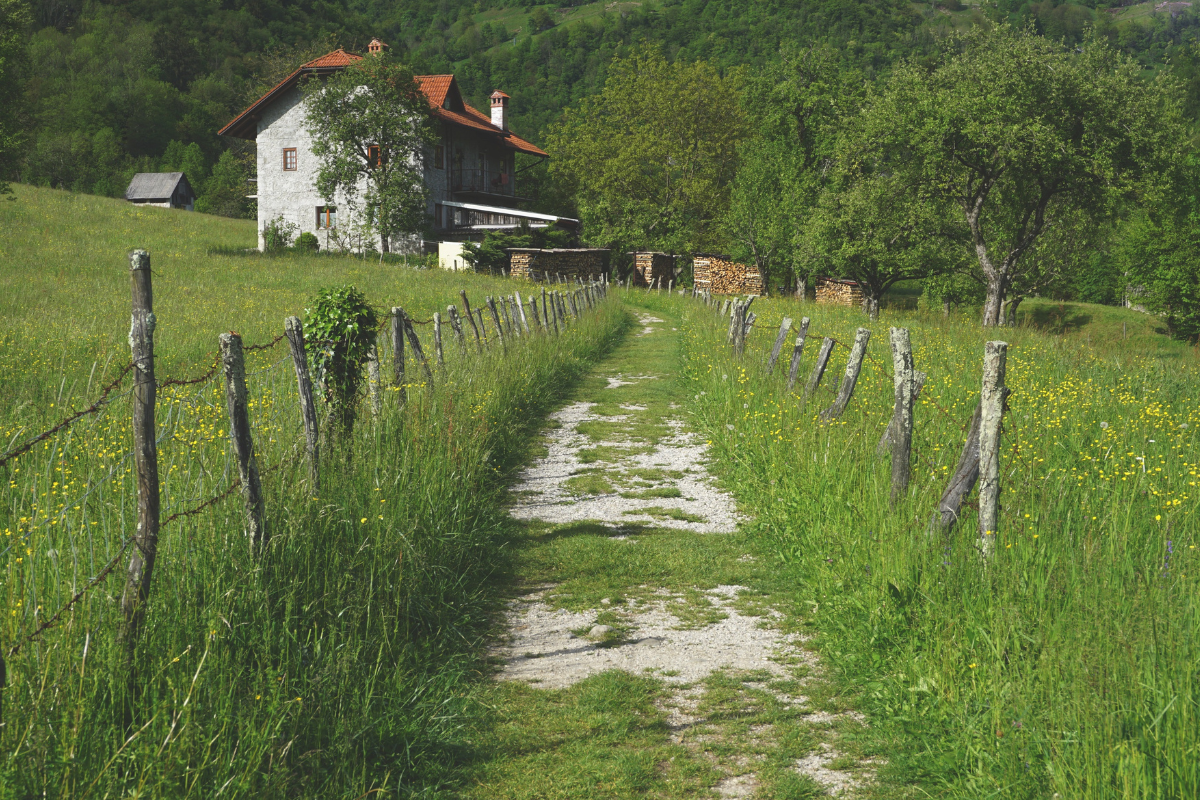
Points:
[(1012, 310), (945, 308), (872, 308), (995, 297), (801, 289)]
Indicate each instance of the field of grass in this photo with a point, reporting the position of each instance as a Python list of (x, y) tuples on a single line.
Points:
[(337, 663), (1066, 664)]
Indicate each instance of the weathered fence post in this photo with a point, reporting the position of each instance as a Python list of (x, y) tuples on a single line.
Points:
[(966, 472), (670, 286), (797, 351), (509, 314), (145, 450), (853, 367), (233, 364), (482, 327), (521, 313), (491, 304), (411, 333), (398, 353), (995, 357), (471, 318), (818, 372), (545, 311), (885, 441), (457, 327), (373, 380), (902, 414), (437, 339), (784, 327), (308, 411)]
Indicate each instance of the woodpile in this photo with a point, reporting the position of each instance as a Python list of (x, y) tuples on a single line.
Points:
[(651, 266), (722, 275), (839, 292), (534, 264)]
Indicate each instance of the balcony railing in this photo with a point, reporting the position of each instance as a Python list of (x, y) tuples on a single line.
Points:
[(483, 181)]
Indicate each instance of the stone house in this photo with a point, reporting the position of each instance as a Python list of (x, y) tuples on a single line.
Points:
[(470, 172), (161, 189)]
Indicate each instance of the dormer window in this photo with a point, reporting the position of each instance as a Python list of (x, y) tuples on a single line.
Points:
[(446, 103)]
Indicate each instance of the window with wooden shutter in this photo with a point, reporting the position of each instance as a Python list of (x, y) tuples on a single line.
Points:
[(326, 217)]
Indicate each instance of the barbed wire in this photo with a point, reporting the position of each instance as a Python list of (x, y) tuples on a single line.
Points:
[(92, 409)]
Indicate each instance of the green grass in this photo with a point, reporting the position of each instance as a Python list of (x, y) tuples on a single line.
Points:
[(338, 664), (1067, 662)]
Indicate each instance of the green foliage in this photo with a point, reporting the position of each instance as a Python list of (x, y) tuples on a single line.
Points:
[(308, 241), (225, 191), (370, 124), (14, 17), (340, 327), (491, 254), (650, 159), (278, 235)]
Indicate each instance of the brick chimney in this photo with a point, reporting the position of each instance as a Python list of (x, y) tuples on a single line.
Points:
[(376, 46), (500, 110)]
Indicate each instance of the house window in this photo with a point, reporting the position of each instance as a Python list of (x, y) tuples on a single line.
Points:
[(439, 157), (373, 158), (326, 217), (437, 215), (289, 158)]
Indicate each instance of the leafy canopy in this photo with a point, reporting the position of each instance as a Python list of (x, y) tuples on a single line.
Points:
[(370, 123), (649, 159)]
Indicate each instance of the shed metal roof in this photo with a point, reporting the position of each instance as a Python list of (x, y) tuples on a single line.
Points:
[(155, 185)]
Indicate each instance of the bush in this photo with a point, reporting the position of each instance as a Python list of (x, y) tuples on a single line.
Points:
[(308, 241), (341, 326), (278, 235)]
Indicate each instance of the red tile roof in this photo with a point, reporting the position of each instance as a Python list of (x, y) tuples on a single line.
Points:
[(435, 87)]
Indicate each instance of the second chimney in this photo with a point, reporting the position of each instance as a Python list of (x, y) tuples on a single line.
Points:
[(500, 110)]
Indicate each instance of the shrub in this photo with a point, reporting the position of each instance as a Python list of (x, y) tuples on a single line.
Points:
[(341, 327), (308, 241), (278, 235)]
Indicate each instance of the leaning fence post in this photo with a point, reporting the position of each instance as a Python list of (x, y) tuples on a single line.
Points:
[(398, 352), (456, 325), (491, 304), (818, 372), (966, 473), (373, 380), (784, 327), (234, 366), (471, 318), (416, 347), (145, 450), (902, 415), (437, 338), (797, 351), (308, 411), (483, 327), (521, 312), (995, 357), (853, 367)]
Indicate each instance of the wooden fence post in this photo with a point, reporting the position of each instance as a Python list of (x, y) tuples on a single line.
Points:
[(885, 441), (509, 314), (145, 450), (411, 333), (784, 327), (373, 380), (233, 364), (308, 410), (818, 372), (471, 318), (482, 327), (995, 357), (902, 414), (797, 351), (457, 326), (853, 367), (545, 311), (398, 353), (437, 339), (966, 472), (521, 313), (491, 304)]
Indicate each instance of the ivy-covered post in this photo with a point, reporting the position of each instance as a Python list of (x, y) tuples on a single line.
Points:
[(343, 328)]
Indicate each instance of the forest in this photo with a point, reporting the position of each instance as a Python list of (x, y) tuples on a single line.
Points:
[(102, 90)]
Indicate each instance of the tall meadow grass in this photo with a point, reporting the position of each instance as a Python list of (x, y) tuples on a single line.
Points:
[(1067, 663)]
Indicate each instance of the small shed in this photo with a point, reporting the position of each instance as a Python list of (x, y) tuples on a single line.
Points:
[(161, 189), (650, 266)]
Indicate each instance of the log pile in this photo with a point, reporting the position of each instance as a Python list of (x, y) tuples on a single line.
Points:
[(650, 266), (722, 275), (534, 264), (839, 293)]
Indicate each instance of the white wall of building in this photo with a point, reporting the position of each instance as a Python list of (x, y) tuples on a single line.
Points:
[(450, 256)]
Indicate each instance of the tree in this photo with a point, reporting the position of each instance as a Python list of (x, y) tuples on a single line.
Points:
[(758, 222), (369, 124), (14, 17), (650, 159), (225, 191), (1015, 131)]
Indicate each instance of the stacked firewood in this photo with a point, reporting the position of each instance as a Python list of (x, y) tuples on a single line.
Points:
[(839, 293), (721, 275)]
